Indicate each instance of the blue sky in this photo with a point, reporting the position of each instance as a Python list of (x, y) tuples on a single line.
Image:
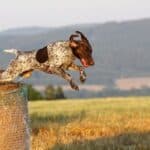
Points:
[(49, 13)]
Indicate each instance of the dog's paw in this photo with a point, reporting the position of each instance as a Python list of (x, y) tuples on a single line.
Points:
[(74, 86), (83, 77)]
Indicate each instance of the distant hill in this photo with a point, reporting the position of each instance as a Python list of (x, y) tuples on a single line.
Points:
[(24, 31), (120, 49)]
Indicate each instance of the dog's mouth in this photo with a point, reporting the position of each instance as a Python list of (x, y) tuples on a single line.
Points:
[(83, 61), (86, 63)]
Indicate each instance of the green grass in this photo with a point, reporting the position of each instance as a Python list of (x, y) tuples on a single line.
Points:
[(105, 123)]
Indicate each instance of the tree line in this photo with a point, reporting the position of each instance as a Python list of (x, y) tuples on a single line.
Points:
[(50, 93)]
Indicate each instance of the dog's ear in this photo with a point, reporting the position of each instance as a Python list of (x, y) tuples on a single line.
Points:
[(42, 55), (73, 44), (82, 36)]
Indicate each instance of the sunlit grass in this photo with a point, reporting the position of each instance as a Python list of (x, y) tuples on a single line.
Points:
[(106, 123)]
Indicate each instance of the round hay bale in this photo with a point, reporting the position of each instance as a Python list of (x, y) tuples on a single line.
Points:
[(14, 126)]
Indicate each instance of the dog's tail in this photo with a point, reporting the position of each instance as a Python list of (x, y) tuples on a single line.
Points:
[(13, 51)]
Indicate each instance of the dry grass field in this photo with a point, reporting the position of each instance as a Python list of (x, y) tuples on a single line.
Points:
[(94, 124)]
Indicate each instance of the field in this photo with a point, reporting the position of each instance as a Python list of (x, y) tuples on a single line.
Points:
[(93, 124)]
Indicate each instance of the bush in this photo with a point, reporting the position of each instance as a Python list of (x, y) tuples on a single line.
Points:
[(33, 94), (53, 93), (59, 94)]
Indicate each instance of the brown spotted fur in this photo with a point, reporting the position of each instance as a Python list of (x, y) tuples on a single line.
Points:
[(55, 58)]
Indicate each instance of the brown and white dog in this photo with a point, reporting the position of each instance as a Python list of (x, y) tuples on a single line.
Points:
[(55, 58)]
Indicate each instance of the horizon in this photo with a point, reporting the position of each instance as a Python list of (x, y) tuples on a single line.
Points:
[(80, 24)]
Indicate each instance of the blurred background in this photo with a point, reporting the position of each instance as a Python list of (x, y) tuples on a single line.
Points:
[(119, 32), (111, 110)]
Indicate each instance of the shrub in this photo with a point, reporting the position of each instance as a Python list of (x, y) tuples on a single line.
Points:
[(33, 94), (53, 93)]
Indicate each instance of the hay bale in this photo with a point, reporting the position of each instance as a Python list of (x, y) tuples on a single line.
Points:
[(14, 130)]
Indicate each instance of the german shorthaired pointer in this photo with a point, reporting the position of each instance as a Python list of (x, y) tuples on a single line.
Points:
[(55, 58)]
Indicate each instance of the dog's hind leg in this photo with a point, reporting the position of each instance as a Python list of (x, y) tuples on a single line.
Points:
[(26, 74), (11, 73)]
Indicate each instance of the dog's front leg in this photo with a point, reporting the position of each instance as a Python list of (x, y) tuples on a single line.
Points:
[(75, 67), (63, 74)]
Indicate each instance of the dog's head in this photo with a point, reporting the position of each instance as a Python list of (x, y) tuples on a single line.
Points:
[(82, 49)]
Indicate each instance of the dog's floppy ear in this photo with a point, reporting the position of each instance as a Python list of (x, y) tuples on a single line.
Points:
[(73, 44), (42, 55)]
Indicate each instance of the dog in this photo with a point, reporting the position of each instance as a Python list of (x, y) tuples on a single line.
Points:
[(55, 58)]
